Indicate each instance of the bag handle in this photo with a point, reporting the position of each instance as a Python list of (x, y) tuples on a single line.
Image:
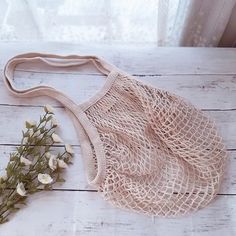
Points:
[(52, 60)]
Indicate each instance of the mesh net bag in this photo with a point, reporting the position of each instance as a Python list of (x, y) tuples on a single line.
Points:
[(144, 149), (164, 157)]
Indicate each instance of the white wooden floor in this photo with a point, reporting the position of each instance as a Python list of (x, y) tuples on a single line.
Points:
[(207, 77)]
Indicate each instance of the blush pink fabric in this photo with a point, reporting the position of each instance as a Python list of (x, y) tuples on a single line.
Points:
[(144, 149)]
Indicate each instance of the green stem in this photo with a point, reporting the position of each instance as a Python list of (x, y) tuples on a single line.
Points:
[(8, 178), (31, 168), (17, 200), (24, 149), (58, 157), (36, 144), (4, 205), (12, 196)]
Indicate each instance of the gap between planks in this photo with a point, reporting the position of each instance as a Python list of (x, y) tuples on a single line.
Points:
[(61, 107), (73, 145), (133, 74)]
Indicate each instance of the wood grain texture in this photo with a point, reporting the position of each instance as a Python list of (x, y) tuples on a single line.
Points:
[(85, 213), (140, 60), (201, 90), (206, 77)]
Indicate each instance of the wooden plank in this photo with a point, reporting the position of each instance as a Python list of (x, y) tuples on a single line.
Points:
[(14, 117), (84, 213), (76, 177), (205, 91), (142, 60)]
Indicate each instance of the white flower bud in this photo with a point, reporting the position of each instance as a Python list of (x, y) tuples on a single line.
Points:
[(30, 123), (56, 138), (62, 164), (48, 155), (25, 140), (69, 149), (45, 178), (48, 109), (20, 189), (52, 162), (25, 161), (54, 122)]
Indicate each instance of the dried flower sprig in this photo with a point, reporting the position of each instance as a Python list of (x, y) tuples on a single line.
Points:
[(33, 167)]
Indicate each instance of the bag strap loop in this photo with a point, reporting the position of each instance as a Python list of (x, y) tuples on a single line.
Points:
[(55, 61)]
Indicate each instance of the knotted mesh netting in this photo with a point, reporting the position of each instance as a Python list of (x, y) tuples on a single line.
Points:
[(164, 157)]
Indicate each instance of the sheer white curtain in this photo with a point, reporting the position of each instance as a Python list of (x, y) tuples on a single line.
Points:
[(158, 22)]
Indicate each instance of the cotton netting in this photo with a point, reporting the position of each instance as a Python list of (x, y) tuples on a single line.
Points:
[(164, 157)]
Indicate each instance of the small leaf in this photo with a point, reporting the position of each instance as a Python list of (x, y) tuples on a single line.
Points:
[(3, 221), (47, 187), (19, 149), (60, 180), (13, 158), (49, 118), (21, 164), (3, 186), (27, 125), (10, 203), (15, 209), (21, 201)]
